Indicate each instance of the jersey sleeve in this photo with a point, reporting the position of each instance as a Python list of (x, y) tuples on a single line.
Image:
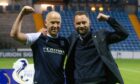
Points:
[(32, 37)]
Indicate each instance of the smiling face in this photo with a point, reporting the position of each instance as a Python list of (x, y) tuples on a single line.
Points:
[(53, 23), (82, 24)]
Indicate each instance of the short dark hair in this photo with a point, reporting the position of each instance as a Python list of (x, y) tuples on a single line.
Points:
[(81, 13)]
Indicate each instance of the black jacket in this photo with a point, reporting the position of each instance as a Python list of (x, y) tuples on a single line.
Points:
[(102, 39)]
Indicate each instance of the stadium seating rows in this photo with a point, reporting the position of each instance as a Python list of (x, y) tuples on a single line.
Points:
[(132, 43)]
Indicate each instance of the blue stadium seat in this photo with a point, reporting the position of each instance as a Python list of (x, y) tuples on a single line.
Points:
[(130, 44), (49, 8), (17, 7), (9, 8), (58, 8)]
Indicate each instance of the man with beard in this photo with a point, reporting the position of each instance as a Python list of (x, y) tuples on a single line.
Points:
[(89, 57)]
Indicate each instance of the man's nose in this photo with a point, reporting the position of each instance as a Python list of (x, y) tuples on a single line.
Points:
[(81, 25), (55, 25)]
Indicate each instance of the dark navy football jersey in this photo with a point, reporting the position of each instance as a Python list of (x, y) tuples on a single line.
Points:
[(49, 55)]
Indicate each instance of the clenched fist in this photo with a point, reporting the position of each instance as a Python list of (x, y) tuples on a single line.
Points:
[(102, 17), (27, 10)]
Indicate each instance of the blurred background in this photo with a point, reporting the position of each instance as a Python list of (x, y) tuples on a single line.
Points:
[(126, 12)]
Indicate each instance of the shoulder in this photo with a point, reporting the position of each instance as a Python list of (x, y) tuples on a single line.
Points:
[(74, 35), (65, 40), (62, 38), (102, 31), (34, 34), (32, 37)]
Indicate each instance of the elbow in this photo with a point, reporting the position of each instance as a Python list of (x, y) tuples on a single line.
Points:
[(123, 36), (13, 35), (126, 35)]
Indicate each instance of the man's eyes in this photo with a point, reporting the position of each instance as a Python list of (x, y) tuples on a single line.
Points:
[(81, 23), (55, 22)]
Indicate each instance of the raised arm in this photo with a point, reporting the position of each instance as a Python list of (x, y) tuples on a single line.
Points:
[(119, 34), (16, 28)]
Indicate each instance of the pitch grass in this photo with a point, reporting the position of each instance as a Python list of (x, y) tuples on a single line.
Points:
[(7, 63), (130, 68)]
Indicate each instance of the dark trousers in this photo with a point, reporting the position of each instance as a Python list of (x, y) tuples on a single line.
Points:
[(95, 82)]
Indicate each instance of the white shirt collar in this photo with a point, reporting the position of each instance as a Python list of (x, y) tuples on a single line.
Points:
[(80, 37), (51, 36)]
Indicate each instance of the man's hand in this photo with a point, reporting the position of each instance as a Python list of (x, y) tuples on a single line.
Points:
[(102, 17), (43, 31), (27, 10)]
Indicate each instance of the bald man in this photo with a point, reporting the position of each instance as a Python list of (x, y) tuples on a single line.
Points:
[(49, 50)]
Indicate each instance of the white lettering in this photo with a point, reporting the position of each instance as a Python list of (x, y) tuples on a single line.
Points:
[(52, 50)]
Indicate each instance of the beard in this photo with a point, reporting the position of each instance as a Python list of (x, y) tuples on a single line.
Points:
[(82, 30)]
